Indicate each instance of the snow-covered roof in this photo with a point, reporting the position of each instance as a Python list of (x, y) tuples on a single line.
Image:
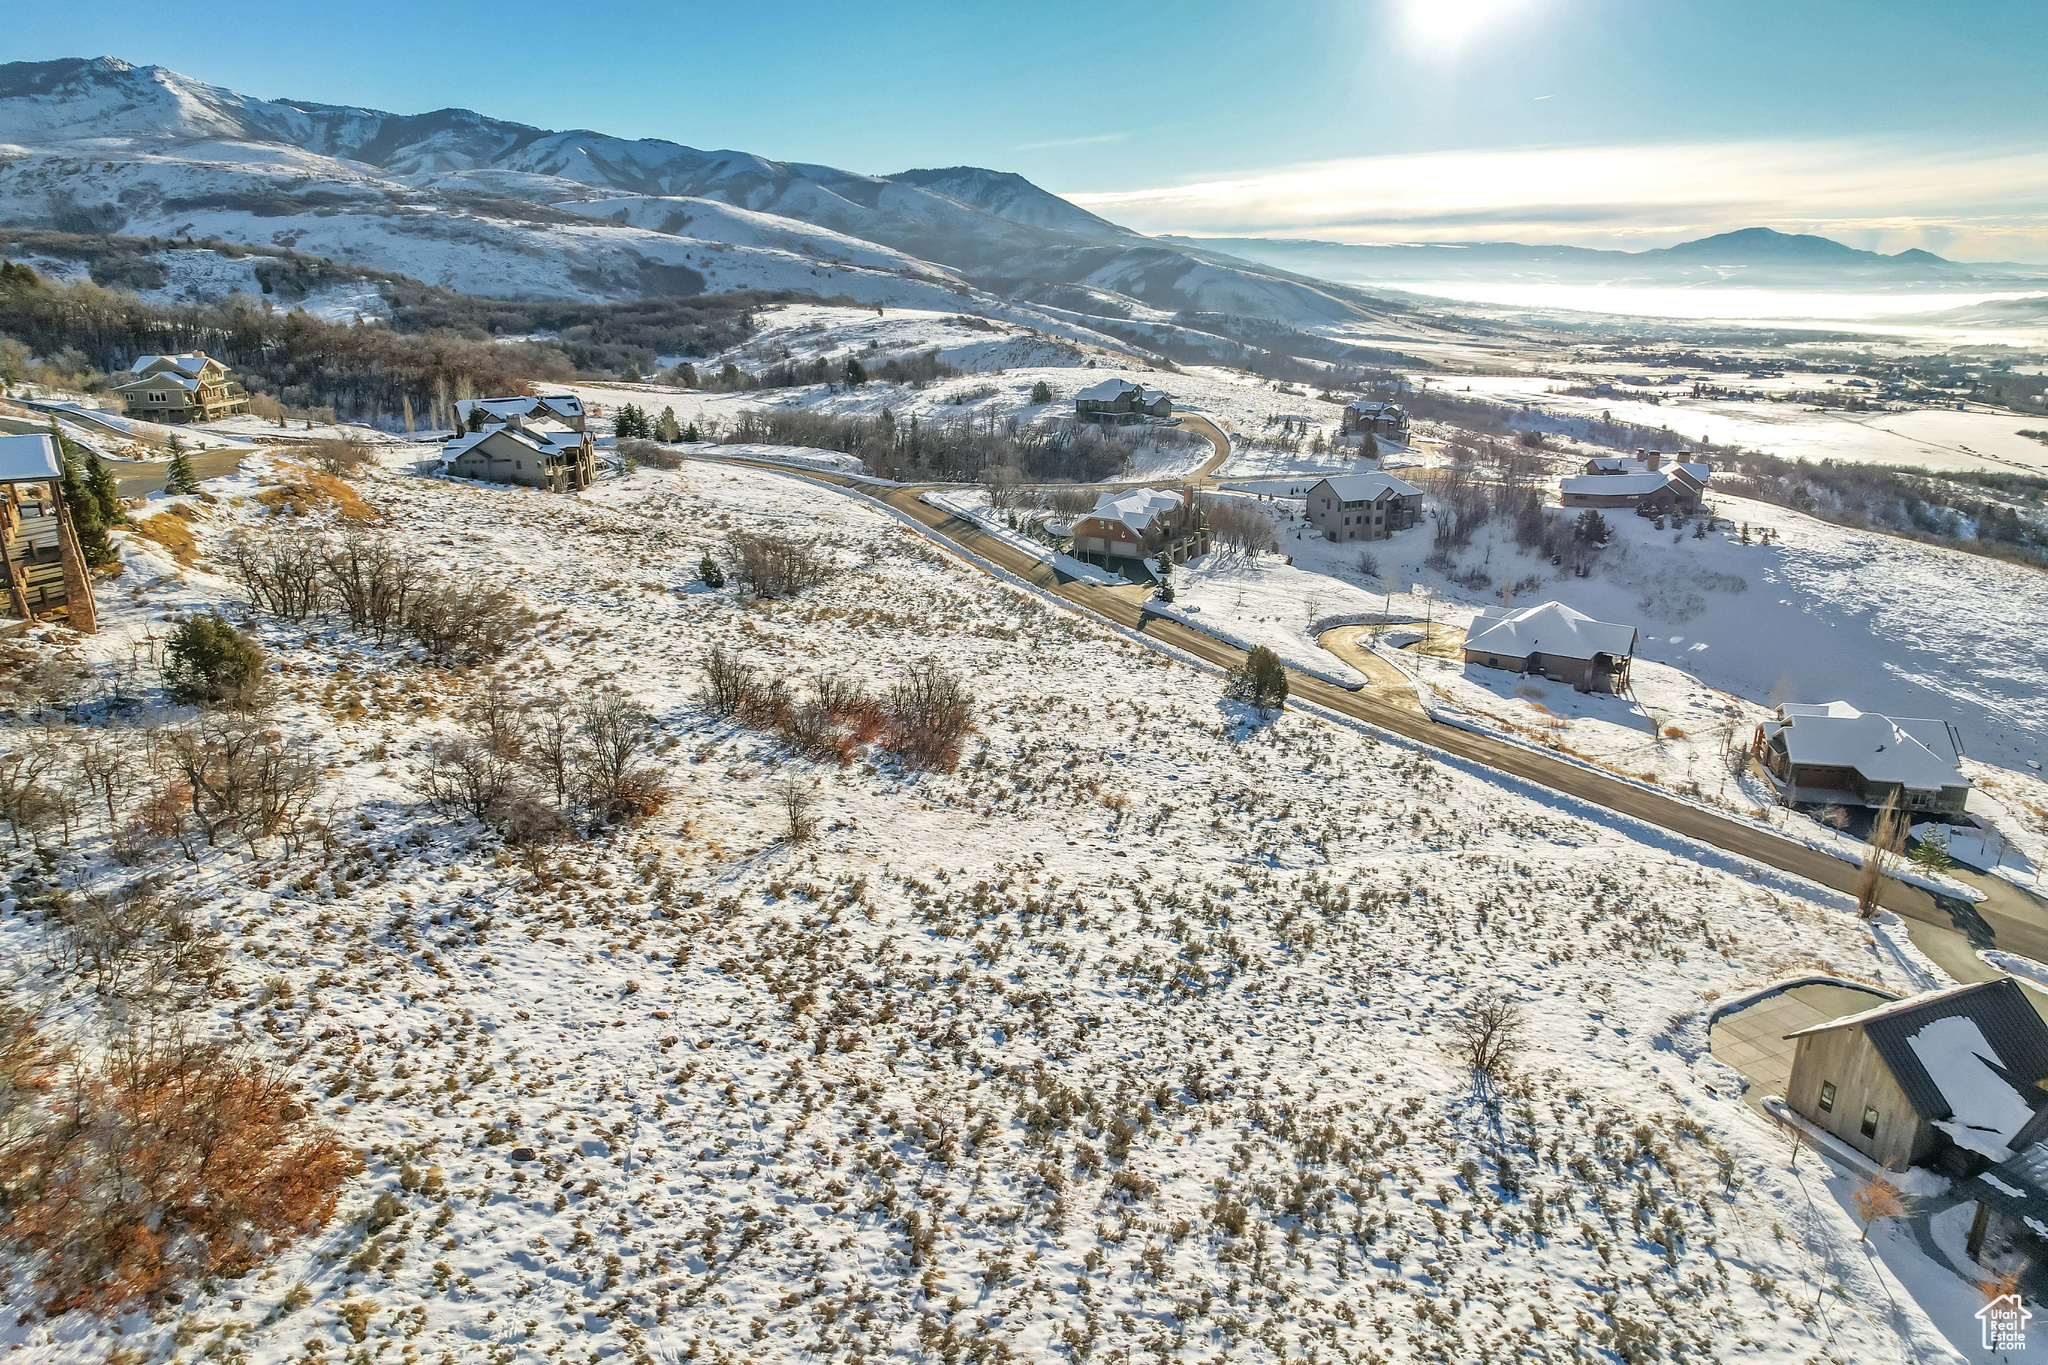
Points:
[(1985, 1111), (1614, 485), (1919, 753), (33, 456), (1157, 396), (563, 404), (1108, 391), (540, 442), (1370, 409), (1697, 468), (191, 362), (1551, 628), (173, 378), (1367, 487), (1134, 507)]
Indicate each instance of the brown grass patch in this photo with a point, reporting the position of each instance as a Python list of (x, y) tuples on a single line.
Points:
[(300, 491), (173, 531)]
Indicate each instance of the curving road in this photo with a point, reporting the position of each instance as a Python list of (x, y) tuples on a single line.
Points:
[(1948, 931)]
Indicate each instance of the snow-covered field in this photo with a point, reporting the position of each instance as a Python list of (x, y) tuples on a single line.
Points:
[(1131, 1036), (1927, 437)]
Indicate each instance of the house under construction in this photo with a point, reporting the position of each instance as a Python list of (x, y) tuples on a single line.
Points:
[(46, 573)]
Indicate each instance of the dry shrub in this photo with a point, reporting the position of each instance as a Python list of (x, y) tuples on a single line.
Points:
[(301, 491), (171, 1159), (926, 715), (775, 566), (343, 457), (464, 623)]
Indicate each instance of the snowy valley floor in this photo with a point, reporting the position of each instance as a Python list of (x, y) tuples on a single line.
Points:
[(1127, 1039)]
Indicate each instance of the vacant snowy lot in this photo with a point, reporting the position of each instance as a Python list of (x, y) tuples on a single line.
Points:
[(1133, 1035)]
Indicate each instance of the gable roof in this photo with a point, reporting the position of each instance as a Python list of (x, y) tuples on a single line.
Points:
[(1367, 487), (189, 362), (1917, 752), (2004, 1018), (33, 456), (176, 379), (1615, 485), (1108, 391), (520, 405), (1550, 628), (538, 442), (1134, 507)]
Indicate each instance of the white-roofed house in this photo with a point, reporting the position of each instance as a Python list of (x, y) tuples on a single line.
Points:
[(189, 387), (46, 572), (1643, 482), (1554, 641), (1830, 753), (1134, 524), (1119, 402), (1363, 506), (536, 451)]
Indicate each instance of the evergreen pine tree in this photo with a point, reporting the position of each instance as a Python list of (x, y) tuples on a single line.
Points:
[(708, 570), (1041, 392), (690, 432), (855, 373), (666, 428), (81, 504), (180, 477), (105, 492)]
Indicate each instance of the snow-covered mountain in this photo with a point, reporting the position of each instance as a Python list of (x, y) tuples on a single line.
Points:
[(485, 206)]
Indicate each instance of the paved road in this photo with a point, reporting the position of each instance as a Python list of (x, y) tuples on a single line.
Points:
[(137, 477), (1348, 644), (1202, 426), (2012, 919)]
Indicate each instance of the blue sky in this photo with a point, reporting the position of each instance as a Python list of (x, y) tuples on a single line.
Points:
[(1607, 122)]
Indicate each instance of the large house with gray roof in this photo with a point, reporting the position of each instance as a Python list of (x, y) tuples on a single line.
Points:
[(1119, 402), (1135, 524), (1554, 641), (525, 441), (1830, 753), (1363, 506), (189, 387)]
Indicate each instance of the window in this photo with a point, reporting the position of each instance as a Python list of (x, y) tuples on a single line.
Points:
[(1869, 1121), (1827, 1097)]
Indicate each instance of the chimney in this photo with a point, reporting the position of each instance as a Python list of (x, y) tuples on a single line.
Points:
[(1653, 460)]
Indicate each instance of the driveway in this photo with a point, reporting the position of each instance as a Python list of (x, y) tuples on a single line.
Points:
[(1752, 1039), (134, 478)]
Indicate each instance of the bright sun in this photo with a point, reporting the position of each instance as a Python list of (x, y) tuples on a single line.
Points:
[(1444, 28)]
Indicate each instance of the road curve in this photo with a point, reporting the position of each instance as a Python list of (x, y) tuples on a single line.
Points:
[(2010, 918)]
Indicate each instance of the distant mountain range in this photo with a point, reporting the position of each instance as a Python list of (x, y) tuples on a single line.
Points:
[(488, 207), (1757, 257), (485, 206)]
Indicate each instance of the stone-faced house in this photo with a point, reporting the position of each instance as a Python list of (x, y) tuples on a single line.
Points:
[(46, 571), (1830, 753), (1554, 641), (1141, 523), (538, 452), (191, 387), (1387, 421), (1119, 402), (1951, 1077), (1363, 506)]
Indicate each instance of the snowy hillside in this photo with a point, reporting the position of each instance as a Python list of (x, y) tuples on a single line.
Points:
[(1135, 1033), (483, 206)]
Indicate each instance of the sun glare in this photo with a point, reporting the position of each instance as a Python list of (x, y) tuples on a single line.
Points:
[(1444, 28)]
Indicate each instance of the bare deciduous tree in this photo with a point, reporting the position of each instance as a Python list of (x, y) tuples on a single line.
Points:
[(1877, 1198), (1489, 1033)]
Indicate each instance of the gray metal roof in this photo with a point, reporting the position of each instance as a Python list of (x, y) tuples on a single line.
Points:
[(2001, 1012), (2018, 1187)]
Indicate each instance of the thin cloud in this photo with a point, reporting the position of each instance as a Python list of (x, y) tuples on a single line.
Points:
[(1977, 203), (1072, 142)]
